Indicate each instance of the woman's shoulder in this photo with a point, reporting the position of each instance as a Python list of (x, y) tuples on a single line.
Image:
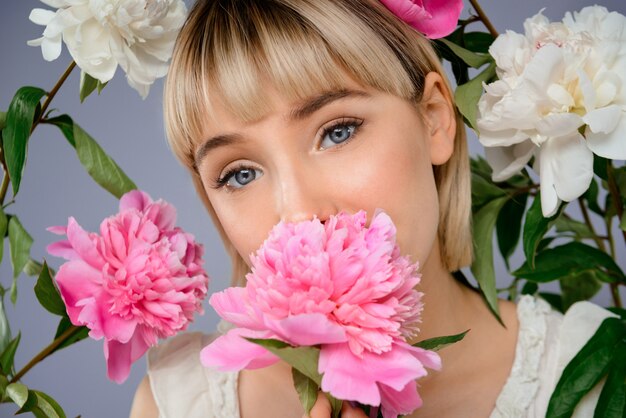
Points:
[(547, 341), (183, 387)]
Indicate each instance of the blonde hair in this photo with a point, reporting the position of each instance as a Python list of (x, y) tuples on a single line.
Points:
[(227, 46)]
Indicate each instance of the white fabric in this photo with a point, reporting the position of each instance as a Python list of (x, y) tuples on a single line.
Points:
[(547, 341)]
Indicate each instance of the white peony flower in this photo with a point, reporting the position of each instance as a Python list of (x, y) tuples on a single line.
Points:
[(137, 35), (554, 80)]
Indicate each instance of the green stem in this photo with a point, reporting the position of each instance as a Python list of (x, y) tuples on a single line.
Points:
[(53, 93), (46, 351), (587, 219), (483, 17)]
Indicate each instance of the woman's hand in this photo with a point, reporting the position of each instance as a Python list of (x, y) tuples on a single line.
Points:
[(322, 409)]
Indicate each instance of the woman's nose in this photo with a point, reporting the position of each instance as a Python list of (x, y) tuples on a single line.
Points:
[(301, 196)]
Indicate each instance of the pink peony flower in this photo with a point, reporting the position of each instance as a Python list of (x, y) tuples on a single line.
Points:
[(433, 18), (341, 286), (139, 280)]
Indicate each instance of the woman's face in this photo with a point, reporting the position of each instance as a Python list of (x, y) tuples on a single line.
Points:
[(347, 151)]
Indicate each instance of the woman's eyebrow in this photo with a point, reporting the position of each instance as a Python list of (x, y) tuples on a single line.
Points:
[(304, 110), (313, 104)]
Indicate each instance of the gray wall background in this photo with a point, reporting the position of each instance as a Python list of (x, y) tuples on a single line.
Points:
[(130, 129)]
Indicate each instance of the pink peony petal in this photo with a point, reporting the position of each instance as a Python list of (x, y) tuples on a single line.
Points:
[(59, 229), (342, 375), (83, 244), (307, 329), (394, 402), (62, 249), (77, 281), (231, 352), (231, 305), (135, 199), (434, 18), (120, 356)]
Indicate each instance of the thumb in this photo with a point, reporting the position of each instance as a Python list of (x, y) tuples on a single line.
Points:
[(321, 409)]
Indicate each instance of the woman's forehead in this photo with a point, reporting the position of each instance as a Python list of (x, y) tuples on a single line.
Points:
[(281, 101)]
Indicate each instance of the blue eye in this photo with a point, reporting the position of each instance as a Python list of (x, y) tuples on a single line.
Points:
[(339, 133), (238, 177)]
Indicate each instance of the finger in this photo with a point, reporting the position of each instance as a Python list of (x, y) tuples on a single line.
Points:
[(321, 409), (348, 411)]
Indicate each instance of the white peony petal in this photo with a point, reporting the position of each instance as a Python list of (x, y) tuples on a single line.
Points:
[(502, 138), (41, 16), (560, 96), (51, 48), (558, 124), (508, 161), (603, 120), (55, 3), (609, 145), (565, 170), (544, 69), (35, 42)]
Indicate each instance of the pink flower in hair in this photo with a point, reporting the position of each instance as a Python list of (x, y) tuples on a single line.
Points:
[(341, 286), (140, 279), (434, 18)]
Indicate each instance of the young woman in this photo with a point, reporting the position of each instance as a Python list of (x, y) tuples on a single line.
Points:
[(289, 109)]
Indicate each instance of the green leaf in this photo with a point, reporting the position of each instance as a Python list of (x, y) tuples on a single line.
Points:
[(66, 125), (5, 329), (535, 227), (47, 293), (612, 400), (19, 244), (8, 355), (555, 300), (566, 224), (622, 223), (473, 59), (3, 120), (577, 287), (482, 267), (64, 325), (4, 382), (600, 167), (19, 122), (467, 95), (437, 343), (591, 196), (87, 85), (530, 288), (304, 359), (509, 226), (18, 393), (33, 268), (306, 388), (484, 191), (48, 406), (478, 41), (571, 259), (586, 369), (3, 231), (98, 164)]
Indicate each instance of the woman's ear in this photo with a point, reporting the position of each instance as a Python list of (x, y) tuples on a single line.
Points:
[(439, 118)]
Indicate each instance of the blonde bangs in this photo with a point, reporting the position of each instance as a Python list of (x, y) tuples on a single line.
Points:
[(229, 51)]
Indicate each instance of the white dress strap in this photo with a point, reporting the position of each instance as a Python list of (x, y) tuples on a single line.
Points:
[(518, 394), (183, 388)]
